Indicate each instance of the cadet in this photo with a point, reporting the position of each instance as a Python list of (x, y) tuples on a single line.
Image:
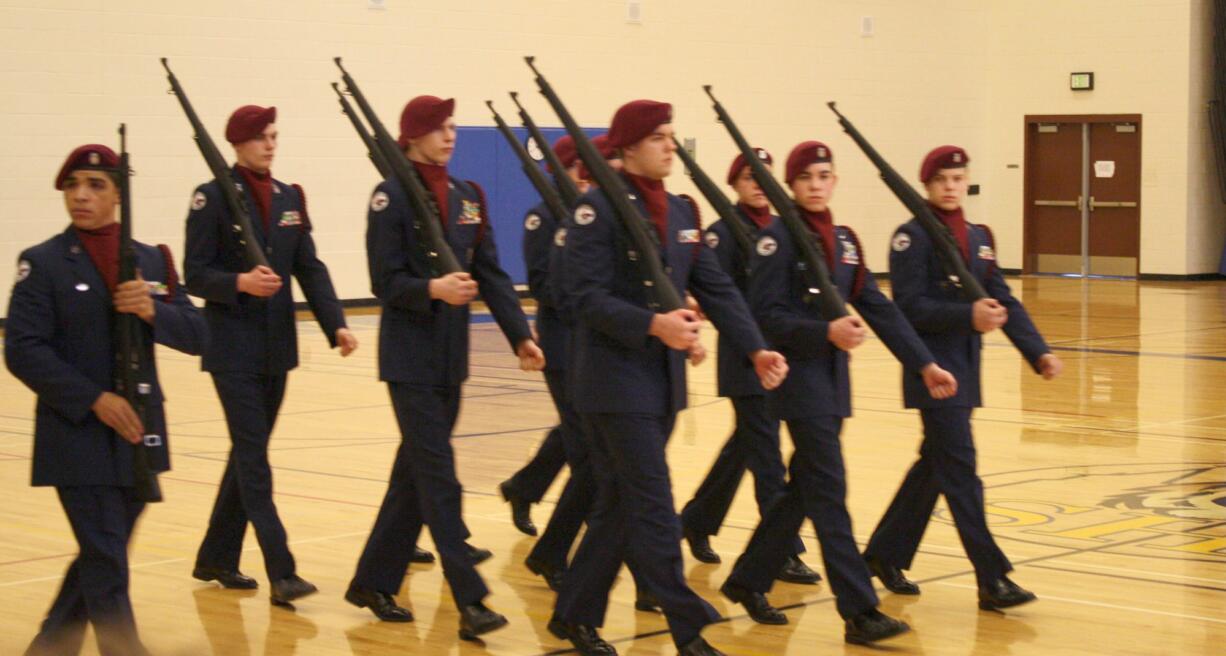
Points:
[(816, 398), (58, 342), (755, 441), (250, 313), (952, 328), (423, 357), (629, 383)]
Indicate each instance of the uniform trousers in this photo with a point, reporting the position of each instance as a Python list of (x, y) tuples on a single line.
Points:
[(95, 587), (633, 519), (553, 547), (423, 489), (533, 479), (251, 403), (817, 490), (946, 466)]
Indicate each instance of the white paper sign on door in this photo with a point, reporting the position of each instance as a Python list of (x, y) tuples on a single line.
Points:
[(1104, 168)]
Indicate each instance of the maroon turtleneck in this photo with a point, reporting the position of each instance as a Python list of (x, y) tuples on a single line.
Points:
[(435, 177), (656, 200), (261, 189), (823, 223), (102, 245), (956, 222), (759, 215)]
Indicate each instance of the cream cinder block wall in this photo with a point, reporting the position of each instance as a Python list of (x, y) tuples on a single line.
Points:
[(1149, 58)]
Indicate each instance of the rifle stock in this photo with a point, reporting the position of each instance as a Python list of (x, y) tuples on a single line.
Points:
[(372, 148), (719, 202)]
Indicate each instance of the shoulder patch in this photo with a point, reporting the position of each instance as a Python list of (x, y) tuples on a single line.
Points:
[(767, 246), (23, 270), (584, 215), (379, 201), (901, 242), (559, 238), (712, 239), (532, 222), (199, 200)]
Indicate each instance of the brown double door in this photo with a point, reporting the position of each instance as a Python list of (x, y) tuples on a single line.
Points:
[(1083, 195)]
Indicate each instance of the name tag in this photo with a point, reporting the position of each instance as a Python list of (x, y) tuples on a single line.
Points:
[(687, 236), (290, 218), (470, 213)]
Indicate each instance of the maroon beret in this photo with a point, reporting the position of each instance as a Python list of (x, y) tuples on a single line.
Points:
[(601, 143), (637, 119), (423, 115), (248, 122), (943, 157), (739, 163), (94, 157), (564, 148), (805, 154)]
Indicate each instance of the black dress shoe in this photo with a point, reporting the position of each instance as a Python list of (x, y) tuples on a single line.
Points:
[(1003, 593), (700, 547), (699, 647), (228, 578), (421, 556), (891, 577), (521, 510), (760, 610), (551, 574), (290, 588), (476, 619), (477, 555), (796, 571), (646, 601), (380, 603), (586, 639), (871, 626)]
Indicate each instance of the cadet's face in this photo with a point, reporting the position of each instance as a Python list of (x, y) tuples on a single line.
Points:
[(747, 190), (814, 187), (947, 189), (435, 147), (256, 154), (91, 198), (652, 156)]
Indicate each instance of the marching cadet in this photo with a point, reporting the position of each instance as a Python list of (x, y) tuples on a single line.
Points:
[(250, 313), (754, 443), (629, 383), (58, 342), (423, 357), (816, 398), (528, 485), (952, 329)]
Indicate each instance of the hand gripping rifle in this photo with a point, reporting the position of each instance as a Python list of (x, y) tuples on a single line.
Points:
[(663, 296), (132, 379), (372, 148), (548, 193), (946, 246), (426, 224), (566, 187), (812, 259), (240, 214), (715, 196)]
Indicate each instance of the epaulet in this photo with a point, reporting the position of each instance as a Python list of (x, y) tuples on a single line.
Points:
[(857, 285), (172, 276), (305, 226), (693, 206), (485, 213)]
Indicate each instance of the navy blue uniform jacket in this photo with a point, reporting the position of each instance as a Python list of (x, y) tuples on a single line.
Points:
[(542, 256), (57, 340), (251, 334), (819, 383), (735, 374), (943, 318), (618, 367), (424, 341)]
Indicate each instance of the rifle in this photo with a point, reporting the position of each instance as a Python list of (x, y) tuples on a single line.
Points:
[(812, 260), (947, 248), (131, 369), (566, 187), (663, 296), (548, 193), (240, 215), (426, 223), (372, 148), (723, 207)]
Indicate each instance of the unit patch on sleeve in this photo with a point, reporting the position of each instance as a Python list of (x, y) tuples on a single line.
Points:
[(199, 200), (378, 202), (584, 215), (712, 239), (767, 246), (559, 237), (23, 271), (532, 222), (901, 242)]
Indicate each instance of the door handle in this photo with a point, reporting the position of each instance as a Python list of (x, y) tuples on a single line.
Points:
[(1095, 204), (1059, 203)]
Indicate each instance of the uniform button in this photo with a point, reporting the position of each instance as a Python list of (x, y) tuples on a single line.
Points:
[(75, 249)]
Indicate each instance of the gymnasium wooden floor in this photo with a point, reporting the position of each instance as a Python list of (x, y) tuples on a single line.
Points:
[(1107, 489)]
